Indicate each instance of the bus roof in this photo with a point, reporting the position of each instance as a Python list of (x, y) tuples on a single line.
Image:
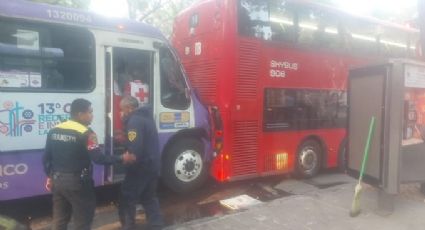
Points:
[(56, 14), (330, 9)]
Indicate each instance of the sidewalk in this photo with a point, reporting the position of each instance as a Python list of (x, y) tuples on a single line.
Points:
[(321, 209)]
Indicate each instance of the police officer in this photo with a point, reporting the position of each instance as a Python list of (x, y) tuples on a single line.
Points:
[(70, 148), (141, 177)]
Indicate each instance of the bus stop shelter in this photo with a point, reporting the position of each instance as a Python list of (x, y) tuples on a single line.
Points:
[(393, 92)]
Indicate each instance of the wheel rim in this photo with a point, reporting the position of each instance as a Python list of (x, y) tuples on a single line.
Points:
[(308, 160), (188, 165)]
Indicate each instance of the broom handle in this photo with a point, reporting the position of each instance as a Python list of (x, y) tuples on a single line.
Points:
[(366, 148)]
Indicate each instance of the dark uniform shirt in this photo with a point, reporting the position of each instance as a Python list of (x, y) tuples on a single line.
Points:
[(142, 140), (70, 148)]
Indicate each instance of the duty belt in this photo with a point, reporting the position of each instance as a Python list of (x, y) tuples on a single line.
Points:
[(83, 174)]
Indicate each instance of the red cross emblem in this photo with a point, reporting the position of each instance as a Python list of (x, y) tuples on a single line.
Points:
[(141, 94), (140, 91)]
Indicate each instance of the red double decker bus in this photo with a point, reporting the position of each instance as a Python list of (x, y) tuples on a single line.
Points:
[(276, 72)]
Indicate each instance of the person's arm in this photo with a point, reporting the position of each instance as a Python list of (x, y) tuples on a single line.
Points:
[(99, 158), (47, 163), (47, 157), (95, 153)]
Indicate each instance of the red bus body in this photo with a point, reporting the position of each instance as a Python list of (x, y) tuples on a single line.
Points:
[(235, 72)]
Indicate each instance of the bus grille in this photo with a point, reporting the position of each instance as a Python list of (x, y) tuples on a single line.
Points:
[(245, 148), (203, 76), (248, 70), (277, 162)]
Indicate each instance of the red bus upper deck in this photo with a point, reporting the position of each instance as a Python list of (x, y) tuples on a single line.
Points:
[(276, 71)]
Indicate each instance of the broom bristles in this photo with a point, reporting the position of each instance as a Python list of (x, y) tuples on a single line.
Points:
[(355, 206)]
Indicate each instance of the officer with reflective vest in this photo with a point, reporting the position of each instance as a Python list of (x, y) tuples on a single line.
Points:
[(141, 177), (70, 148)]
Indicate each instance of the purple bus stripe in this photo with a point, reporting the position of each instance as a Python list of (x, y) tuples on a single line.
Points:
[(22, 174)]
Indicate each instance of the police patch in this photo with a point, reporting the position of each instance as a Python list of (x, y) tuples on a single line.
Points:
[(92, 142), (132, 134)]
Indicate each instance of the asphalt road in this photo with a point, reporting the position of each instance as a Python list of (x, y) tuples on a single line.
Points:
[(177, 208)]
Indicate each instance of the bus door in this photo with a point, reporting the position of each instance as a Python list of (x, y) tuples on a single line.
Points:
[(129, 72)]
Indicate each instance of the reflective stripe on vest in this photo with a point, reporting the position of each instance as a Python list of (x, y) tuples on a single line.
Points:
[(73, 125)]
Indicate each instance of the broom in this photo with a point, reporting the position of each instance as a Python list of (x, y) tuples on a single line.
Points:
[(355, 206)]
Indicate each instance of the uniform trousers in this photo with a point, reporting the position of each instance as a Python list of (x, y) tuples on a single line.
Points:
[(135, 187), (73, 197)]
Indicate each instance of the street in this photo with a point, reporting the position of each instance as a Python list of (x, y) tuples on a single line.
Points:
[(323, 208), (190, 211), (177, 208)]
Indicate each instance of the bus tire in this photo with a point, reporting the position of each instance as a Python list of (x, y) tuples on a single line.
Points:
[(343, 156), (308, 159), (183, 168)]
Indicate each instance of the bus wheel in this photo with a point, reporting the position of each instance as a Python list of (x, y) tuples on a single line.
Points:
[(183, 169), (308, 159), (343, 157)]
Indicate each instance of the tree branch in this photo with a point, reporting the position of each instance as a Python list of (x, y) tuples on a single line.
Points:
[(156, 7)]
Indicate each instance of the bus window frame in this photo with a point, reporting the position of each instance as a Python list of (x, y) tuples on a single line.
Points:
[(39, 26), (262, 34), (303, 123), (344, 46), (179, 68)]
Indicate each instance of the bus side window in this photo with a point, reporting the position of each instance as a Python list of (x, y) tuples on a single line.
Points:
[(393, 43), (74, 68), (253, 19), (20, 56), (302, 109), (173, 85), (413, 45), (360, 37), (283, 21), (280, 109), (53, 79), (45, 58), (318, 29), (345, 38)]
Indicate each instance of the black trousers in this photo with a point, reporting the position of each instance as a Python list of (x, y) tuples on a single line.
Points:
[(135, 187), (73, 197)]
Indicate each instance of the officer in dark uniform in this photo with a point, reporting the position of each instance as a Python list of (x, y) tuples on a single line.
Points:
[(141, 177), (70, 148)]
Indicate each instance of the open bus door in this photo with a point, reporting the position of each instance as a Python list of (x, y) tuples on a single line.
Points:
[(128, 72), (115, 173)]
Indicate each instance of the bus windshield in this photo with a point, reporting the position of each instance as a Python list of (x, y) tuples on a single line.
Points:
[(173, 85)]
